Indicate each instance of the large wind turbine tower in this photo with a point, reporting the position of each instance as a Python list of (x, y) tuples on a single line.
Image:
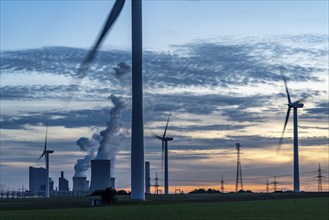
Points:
[(165, 140), (137, 124), (46, 154), (238, 169), (295, 105)]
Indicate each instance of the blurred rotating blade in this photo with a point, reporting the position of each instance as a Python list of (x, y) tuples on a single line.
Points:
[(287, 91), (114, 14), (165, 131), (284, 128)]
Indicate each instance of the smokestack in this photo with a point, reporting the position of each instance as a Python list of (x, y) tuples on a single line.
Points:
[(62, 174), (100, 174), (147, 178), (79, 184)]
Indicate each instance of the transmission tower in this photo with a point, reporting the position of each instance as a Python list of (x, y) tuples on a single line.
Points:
[(156, 185), (222, 185), (267, 186), (238, 169), (319, 177), (275, 184)]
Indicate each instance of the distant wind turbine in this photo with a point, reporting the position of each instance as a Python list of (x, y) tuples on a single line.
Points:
[(137, 129), (295, 105), (165, 140), (46, 154)]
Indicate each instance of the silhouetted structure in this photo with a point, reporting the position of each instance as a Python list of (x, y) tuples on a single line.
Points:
[(293, 105), (63, 184), (267, 186), (156, 184), (37, 179), (164, 139), (275, 185), (319, 177), (222, 185), (238, 169), (147, 178), (100, 174), (80, 184), (46, 153)]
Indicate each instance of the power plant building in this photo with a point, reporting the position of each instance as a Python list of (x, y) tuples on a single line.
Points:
[(101, 175), (63, 184), (37, 179), (80, 184)]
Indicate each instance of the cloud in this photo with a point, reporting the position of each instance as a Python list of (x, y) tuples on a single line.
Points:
[(219, 92)]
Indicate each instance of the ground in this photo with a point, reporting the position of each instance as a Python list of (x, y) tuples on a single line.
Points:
[(197, 206)]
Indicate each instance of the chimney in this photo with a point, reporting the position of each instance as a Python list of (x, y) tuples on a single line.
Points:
[(147, 178), (62, 174)]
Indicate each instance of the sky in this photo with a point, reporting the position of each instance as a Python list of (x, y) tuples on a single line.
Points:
[(214, 64)]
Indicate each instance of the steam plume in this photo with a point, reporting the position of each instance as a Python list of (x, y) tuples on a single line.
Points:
[(113, 134), (82, 165)]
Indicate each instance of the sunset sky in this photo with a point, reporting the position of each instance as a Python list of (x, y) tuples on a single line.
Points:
[(214, 64)]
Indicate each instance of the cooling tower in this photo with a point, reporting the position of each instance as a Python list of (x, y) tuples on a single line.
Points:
[(79, 184), (147, 178), (100, 174)]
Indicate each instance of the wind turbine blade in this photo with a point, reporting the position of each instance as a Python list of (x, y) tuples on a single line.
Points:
[(287, 91), (114, 14), (165, 131), (41, 156), (284, 128), (157, 136), (45, 148)]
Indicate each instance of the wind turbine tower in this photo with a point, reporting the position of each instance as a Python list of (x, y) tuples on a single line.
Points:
[(295, 105), (46, 154), (137, 124), (165, 140), (238, 169)]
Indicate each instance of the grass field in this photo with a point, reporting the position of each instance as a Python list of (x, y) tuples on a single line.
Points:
[(297, 208)]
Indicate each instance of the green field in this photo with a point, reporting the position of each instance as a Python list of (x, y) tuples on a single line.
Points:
[(300, 208)]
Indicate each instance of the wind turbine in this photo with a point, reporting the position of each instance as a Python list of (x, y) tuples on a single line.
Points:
[(165, 140), (46, 154), (292, 105), (137, 127)]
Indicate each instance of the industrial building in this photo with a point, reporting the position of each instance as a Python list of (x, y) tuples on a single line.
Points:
[(101, 175), (37, 179), (80, 184), (63, 184)]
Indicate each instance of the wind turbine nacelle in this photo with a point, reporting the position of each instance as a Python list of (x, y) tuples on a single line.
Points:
[(297, 105), (168, 138)]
